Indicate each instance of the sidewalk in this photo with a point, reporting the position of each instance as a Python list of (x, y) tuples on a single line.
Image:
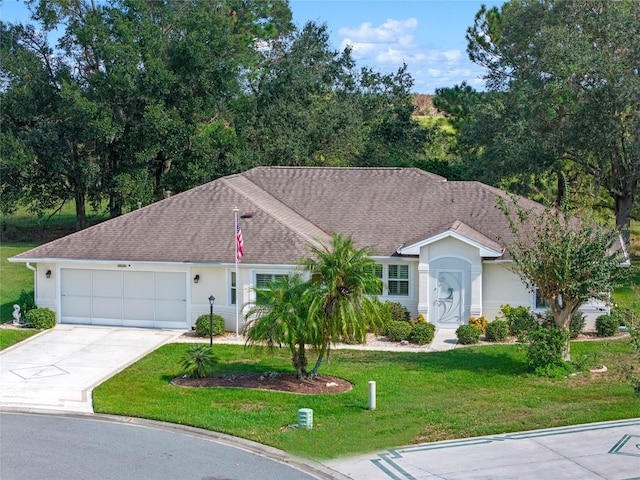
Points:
[(444, 339), (607, 450)]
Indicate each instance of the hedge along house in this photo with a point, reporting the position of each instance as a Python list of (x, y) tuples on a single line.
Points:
[(438, 247)]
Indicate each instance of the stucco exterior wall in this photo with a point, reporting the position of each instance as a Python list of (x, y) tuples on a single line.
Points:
[(45, 288), (502, 287)]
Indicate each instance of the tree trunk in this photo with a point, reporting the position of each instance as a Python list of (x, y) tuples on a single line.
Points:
[(81, 212), (314, 373), (562, 313), (624, 207), (300, 362)]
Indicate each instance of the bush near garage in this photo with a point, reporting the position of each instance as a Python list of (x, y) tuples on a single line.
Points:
[(40, 318), (468, 334), (202, 325)]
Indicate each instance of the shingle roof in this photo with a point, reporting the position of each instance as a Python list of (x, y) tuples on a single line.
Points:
[(384, 208)]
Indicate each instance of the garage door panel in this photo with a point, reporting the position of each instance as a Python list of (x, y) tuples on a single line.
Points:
[(138, 309), (139, 285), (76, 282), (106, 308), (76, 306), (170, 311), (171, 286), (107, 284)]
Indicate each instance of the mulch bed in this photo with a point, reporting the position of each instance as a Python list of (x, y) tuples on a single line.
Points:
[(281, 382)]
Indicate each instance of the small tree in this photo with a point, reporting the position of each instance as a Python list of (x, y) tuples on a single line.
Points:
[(569, 261), (345, 288), (281, 317)]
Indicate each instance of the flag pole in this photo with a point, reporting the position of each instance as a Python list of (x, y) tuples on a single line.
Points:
[(235, 254)]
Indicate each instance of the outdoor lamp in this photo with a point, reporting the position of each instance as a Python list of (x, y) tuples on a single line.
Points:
[(211, 300), (48, 274), (196, 279)]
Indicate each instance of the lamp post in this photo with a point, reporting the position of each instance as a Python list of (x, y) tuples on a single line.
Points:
[(211, 300)]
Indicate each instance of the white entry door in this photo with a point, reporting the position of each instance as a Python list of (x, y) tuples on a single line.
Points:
[(124, 298), (449, 301)]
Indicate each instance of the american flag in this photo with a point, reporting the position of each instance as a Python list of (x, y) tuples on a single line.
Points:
[(239, 242)]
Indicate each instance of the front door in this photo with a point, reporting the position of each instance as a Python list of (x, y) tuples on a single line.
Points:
[(449, 302)]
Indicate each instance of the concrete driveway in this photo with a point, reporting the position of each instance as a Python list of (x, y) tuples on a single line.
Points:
[(58, 368)]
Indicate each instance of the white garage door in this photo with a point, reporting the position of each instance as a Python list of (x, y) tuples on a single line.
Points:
[(124, 298)]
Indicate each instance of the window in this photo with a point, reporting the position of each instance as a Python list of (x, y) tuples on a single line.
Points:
[(377, 271), (539, 302), (233, 294), (262, 279), (398, 280)]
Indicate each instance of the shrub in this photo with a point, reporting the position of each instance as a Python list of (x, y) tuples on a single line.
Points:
[(422, 333), (197, 360), (398, 312), (576, 324), (468, 334), (202, 325), (520, 319), (607, 325), (398, 331), (40, 318), (497, 331), (545, 345), (26, 302), (419, 319), (479, 322)]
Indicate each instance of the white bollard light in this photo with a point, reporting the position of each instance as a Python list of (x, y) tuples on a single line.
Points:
[(372, 395)]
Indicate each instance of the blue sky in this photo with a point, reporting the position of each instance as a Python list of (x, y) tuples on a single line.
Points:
[(427, 35)]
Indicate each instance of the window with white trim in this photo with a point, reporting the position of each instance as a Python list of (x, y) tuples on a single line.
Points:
[(378, 272), (232, 288), (539, 303), (398, 280), (262, 279)]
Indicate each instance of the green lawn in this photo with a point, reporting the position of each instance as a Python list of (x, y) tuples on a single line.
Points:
[(629, 295), (9, 337), (421, 397), (14, 277)]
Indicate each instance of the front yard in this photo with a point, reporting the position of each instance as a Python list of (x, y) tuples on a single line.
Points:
[(421, 397)]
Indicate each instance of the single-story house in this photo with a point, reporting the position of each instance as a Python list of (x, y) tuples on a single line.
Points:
[(440, 247)]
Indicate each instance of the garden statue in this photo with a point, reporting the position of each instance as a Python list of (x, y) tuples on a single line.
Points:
[(16, 314)]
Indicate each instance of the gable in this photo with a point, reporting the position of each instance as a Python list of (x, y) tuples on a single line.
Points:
[(463, 233)]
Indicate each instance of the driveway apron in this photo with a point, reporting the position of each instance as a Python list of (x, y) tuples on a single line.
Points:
[(57, 369)]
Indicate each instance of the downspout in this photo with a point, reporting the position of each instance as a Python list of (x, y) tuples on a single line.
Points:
[(35, 281)]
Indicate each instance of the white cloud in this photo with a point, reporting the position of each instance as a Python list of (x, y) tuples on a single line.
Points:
[(387, 46)]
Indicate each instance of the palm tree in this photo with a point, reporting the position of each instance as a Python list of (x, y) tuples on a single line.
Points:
[(280, 317), (344, 301)]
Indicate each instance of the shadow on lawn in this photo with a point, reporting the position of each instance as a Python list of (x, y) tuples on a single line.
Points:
[(496, 359)]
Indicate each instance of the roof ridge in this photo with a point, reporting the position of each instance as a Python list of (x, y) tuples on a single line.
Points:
[(276, 209), (431, 175)]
